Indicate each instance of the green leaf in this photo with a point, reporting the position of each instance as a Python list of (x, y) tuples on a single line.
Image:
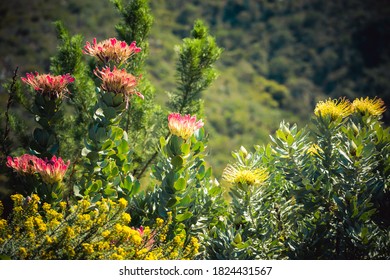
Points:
[(183, 217), (180, 184), (123, 147), (177, 162)]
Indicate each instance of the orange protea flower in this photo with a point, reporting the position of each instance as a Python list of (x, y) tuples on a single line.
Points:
[(118, 81), (333, 108), (183, 126), (52, 170), (238, 174), (111, 50), (46, 84), (374, 107)]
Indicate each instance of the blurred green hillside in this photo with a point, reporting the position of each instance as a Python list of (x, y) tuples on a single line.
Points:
[(280, 57)]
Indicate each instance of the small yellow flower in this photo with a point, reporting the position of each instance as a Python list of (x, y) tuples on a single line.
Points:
[(159, 222), (136, 238), (62, 205), (85, 204), (374, 107), (48, 239), (17, 199), (126, 218), (35, 198), (3, 224), (23, 252), (88, 248), (118, 228), (40, 224), (69, 231), (116, 256), (46, 206), (242, 175), (106, 233), (333, 108), (122, 202)]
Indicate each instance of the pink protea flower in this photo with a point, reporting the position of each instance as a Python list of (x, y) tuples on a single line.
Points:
[(111, 50), (53, 170), (24, 164), (183, 126), (118, 81), (46, 84)]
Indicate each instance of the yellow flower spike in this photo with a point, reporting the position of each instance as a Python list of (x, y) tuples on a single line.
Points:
[(29, 223), (118, 228), (88, 248), (116, 256), (125, 218), (3, 224), (40, 224), (69, 232), (106, 233), (334, 109), (237, 174), (35, 198), (48, 239), (85, 204), (46, 206), (23, 252), (122, 203), (136, 238), (18, 209), (62, 205), (17, 199), (374, 107), (159, 222)]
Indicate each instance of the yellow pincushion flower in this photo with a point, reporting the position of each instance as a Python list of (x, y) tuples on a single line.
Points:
[(238, 174), (374, 107), (333, 108)]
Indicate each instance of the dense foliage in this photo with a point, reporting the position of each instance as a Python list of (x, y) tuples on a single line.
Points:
[(100, 170), (280, 57)]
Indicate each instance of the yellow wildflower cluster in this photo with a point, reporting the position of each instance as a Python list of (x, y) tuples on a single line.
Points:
[(86, 231)]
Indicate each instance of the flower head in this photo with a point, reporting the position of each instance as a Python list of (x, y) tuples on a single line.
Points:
[(183, 126), (238, 174), (52, 170), (333, 108), (46, 84), (373, 107), (111, 50), (24, 164), (118, 81)]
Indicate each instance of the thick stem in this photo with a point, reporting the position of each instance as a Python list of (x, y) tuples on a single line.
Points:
[(9, 103)]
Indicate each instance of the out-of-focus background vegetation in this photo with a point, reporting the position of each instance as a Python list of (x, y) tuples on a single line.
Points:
[(280, 57)]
